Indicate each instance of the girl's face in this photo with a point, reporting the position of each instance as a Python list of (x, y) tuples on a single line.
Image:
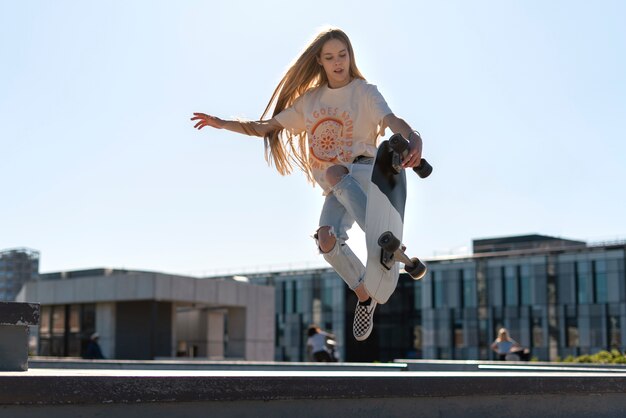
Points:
[(336, 62)]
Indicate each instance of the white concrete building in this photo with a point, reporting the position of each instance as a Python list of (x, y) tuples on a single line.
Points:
[(146, 315)]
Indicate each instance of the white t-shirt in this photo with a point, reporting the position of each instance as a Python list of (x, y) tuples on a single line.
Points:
[(317, 342), (341, 124), (504, 347)]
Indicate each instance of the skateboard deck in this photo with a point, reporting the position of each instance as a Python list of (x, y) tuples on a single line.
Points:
[(384, 222)]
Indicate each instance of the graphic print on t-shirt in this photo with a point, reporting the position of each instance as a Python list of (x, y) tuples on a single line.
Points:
[(330, 136)]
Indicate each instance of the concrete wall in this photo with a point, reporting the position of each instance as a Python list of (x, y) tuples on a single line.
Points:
[(15, 319), (215, 334)]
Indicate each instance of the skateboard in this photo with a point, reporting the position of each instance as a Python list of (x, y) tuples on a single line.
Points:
[(384, 220)]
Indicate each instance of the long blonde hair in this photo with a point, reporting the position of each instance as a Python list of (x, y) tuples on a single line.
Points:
[(284, 148), (503, 335)]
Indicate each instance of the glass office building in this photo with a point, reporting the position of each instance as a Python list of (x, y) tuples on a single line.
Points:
[(557, 297)]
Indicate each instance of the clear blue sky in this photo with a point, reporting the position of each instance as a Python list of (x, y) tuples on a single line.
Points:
[(521, 105)]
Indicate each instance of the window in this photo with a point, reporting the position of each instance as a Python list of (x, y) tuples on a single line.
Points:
[(510, 286), (615, 334), (74, 337), (469, 288), (596, 332), (44, 321), (459, 341), (58, 320), (599, 281), (537, 332), (417, 295), (583, 294), (288, 297), (437, 290), (280, 297), (524, 281), (88, 320), (327, 293), (483, 335), (571, 328), (65, 329), (74, 320), (298, 296)]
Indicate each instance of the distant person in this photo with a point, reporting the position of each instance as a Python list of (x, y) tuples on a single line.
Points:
[(325, 119), (505, 345), (316, 344), (93, 350)]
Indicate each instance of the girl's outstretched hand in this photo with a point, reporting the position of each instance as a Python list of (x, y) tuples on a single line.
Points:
[(207, 120)]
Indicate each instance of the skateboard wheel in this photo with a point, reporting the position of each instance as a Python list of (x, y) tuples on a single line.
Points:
[(389, 242), (424, 169), (401, 147), (418, 270), (398, 143)]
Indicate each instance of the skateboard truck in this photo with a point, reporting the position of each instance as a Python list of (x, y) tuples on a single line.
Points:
[(391, 251), (400, 147)]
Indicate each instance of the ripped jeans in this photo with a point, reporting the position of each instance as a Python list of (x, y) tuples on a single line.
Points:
[(342, 207)]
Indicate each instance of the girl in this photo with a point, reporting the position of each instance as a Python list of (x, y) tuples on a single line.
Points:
[(326, 120), (503, 345), (316, 344)]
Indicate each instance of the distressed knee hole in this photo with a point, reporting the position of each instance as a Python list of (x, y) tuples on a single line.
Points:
[(335, 173), (326, 239)]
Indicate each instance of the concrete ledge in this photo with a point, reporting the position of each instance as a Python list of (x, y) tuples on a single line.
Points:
[(53, 393), (76, 363), (14, 321), (506, 366), (17, 313)]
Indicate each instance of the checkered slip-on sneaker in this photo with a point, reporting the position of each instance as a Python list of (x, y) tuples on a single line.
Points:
[(364, 319)]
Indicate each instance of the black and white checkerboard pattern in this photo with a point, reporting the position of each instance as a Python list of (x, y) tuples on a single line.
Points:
[(364, 320)]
